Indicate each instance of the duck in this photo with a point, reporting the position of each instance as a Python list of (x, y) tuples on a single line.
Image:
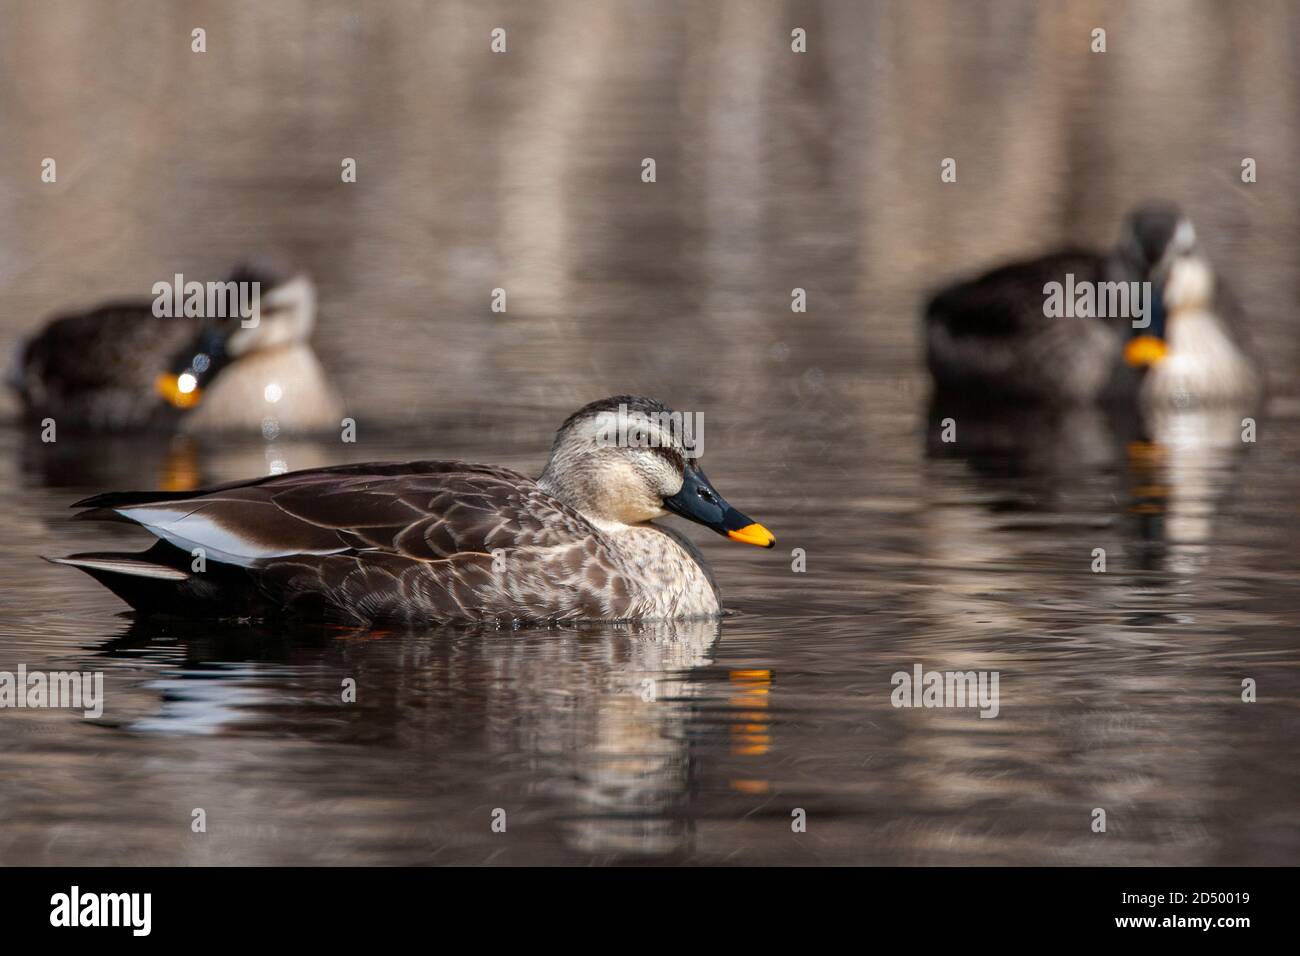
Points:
[(430, 542), (994, 337), (119, 367)]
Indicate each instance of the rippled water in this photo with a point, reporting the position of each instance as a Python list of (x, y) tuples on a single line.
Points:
[(690, 742), (697, 741)]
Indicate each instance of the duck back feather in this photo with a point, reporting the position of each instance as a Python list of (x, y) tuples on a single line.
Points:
[(417, 542), (990, 335)]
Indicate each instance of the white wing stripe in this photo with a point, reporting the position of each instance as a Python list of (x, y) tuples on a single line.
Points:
[(190, 530)]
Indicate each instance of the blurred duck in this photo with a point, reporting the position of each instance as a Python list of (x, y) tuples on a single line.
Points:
[(120, 367), (991, 336), (439, 541)]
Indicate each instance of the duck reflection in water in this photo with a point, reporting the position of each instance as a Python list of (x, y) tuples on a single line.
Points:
[(605, 707)]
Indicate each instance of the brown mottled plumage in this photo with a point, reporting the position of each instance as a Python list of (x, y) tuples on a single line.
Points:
[(424, 541)]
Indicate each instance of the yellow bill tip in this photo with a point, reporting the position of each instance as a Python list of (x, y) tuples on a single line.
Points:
[(754, 534), (181, 391), (1145, 350)]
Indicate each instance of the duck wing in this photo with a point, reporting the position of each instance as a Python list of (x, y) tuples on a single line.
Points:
[(421, 540), (97, 368), (991, 332), (122, 343)]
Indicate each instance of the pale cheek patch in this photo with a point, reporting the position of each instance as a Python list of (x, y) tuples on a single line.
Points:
[(627, 495)]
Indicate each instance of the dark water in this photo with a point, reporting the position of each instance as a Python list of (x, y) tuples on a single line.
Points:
[(688, 742), (696, 741)]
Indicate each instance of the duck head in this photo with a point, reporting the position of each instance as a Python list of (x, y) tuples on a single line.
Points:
[(627, 460), (284, 315), (1158, 245)]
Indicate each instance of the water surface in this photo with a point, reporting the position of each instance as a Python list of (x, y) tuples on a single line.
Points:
[(692, 742)]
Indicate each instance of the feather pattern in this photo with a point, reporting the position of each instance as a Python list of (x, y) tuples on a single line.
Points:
[(419, 542)]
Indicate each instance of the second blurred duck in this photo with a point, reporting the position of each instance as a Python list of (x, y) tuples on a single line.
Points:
[(992, 337), (120, 367)]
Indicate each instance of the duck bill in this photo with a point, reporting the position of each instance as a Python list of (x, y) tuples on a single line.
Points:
[(1147, 345), (180, 391), (1143, 351), (700, 502)]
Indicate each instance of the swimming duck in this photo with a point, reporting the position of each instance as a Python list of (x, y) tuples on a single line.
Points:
[(440, 541), (995, 336), (121, 367)]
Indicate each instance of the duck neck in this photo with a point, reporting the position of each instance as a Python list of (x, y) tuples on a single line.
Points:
[(575, 493), (672, 577)]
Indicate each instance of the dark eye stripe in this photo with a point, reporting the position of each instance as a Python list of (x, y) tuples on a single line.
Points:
[(671, 455)]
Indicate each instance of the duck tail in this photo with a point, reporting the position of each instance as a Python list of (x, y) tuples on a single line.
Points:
[(163, 580), (156, 581), (146, 586)]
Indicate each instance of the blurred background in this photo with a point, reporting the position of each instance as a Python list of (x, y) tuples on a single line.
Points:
[(775, 170), (522, 171)]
